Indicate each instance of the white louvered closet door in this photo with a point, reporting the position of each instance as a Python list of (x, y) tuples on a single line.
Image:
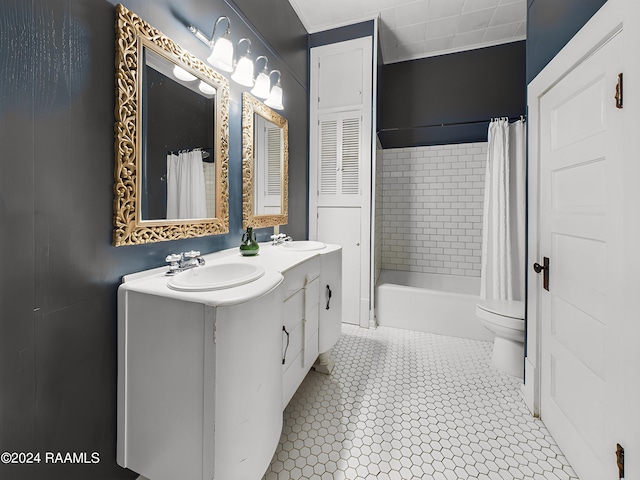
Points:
[(340, 156), (274, 165), (340, 163)]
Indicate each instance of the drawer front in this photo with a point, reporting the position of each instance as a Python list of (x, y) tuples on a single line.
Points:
[(291, 379), (297, 277), (312, 295), (293, 310), (311, 324), (311, 352)]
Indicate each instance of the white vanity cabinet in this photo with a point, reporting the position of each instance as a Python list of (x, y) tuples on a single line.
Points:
[(204, 376)]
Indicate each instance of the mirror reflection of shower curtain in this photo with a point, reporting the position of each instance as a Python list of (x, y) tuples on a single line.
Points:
[(503, 226), (186, 197)]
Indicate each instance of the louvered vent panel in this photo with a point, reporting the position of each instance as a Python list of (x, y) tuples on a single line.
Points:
[(274, 156), (328, 157), (351, 156)]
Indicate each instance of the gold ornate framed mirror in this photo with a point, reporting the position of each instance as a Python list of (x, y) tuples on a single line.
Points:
[(172, 116), (265, 165)]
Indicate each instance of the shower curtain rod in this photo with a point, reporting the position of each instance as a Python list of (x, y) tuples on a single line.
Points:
[(473, 122), (206, 152)]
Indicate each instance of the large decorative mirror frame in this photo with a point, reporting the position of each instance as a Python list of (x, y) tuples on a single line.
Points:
[(132, 35), (250, 108)]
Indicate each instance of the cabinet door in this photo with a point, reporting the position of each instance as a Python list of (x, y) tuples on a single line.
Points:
[(341, 226), (330, 308), (343, 69), (248, 402), (340, 158), (311, 299)]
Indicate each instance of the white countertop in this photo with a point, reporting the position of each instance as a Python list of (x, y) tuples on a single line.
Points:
[(274, 259)]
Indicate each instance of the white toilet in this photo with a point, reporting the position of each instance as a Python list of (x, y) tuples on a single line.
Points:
[(505, 318)]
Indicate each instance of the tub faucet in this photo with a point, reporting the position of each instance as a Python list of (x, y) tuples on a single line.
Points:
[(180, 262), (280, 239)]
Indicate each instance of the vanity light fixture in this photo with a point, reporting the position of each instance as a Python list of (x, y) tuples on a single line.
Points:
[(244, 69), (263, 82), (181, 74), (275, 96), (221, 56)]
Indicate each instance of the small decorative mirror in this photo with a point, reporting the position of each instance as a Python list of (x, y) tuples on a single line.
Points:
[(172, 135), (265, 165)]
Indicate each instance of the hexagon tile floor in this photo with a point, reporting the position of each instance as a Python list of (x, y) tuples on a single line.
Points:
[(404, 405)]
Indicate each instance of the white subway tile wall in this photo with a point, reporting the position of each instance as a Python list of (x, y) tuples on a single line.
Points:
[(432, 208)]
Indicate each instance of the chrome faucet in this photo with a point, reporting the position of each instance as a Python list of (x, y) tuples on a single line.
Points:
[(280, 239), (180, 262)]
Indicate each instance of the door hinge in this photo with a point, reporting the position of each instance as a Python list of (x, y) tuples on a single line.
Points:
[(620, 461), (215, 328), (618, 96)]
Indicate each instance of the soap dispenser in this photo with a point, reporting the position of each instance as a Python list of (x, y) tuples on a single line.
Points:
[(249, 246)]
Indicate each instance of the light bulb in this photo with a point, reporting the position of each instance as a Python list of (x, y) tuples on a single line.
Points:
[(206, 88), (261, 89), (222, 55), (181, 74), (244, 72), (275, 97)]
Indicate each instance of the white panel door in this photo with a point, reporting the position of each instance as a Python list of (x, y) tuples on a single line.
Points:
[(341, 226), (581, 226)]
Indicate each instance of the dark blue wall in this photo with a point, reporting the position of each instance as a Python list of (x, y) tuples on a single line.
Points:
[(341, 34), (451, 98), (550, 25), (58, 285)]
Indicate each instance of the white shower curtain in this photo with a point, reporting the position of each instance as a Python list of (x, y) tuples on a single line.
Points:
[(503, 228), (186, 196)]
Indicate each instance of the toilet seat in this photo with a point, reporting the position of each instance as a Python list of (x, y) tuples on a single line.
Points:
[(507, 313), (505, 308)]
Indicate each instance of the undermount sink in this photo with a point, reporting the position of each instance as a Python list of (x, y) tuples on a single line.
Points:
[(303, 245), (215, 277)]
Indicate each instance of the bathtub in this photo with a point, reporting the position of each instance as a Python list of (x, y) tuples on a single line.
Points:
[(442, 304)]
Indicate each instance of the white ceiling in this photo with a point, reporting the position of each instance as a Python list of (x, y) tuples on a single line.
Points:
[(411, 29)]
